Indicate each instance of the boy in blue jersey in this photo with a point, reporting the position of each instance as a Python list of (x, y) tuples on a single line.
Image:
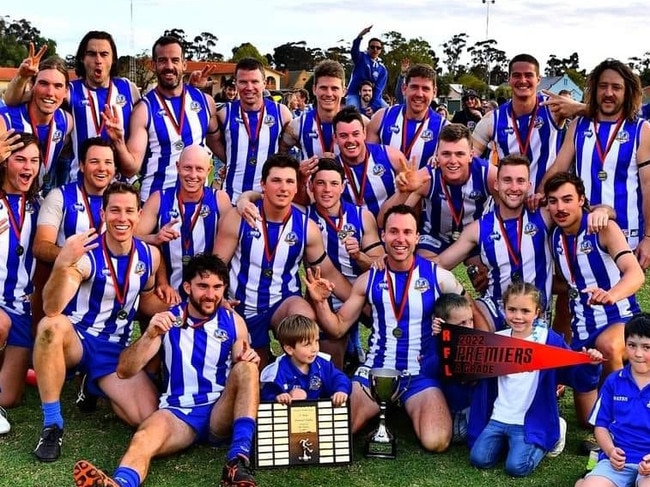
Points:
[(211, 388), (302, 372), (621, 416)]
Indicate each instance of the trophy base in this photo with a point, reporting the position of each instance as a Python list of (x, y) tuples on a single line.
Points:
[(386, 450)]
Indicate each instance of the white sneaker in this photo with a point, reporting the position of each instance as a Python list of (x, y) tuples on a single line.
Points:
[(5, 427), (561, 442)]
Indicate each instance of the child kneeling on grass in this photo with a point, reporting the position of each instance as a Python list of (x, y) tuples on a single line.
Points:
[(302, 372), (621, 416), (520, 411)]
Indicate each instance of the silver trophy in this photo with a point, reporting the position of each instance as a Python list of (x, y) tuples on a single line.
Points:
[(385, 385)]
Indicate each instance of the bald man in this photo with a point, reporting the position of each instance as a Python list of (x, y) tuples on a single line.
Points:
[(182, 221)]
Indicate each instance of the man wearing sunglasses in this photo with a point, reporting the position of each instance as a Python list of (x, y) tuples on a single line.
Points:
[(367, 67)]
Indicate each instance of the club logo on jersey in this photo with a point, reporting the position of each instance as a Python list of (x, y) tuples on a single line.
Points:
[(508, 131), (254, 232), (495, 236), (205, 211), (120, 100), (195, 106), (291, 238), (475, 195), (586, 247), (79, 207), (161, 113), (394, 129), (29, 207), (57, 136), (315, 383), (221, 335), (382, 286), (269, 120), (140, 268), (422, 285), (623, 136), (378, 170), (84, 102), (320, 225), (530, 229), (539, 122), (238, 119), (588, 133), (427, 135), (106, 272), (559, 250), (312, 135)]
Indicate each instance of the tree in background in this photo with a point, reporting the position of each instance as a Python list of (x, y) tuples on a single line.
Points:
[(201, 48), (15, 36), (247, 50)]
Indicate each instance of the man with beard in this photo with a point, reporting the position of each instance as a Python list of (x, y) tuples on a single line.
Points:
[(43, 116), (172, 116), (370, 168), (512, 242), (182, 221), (610, 147), (18, 213), (365, 95), (212, 382), (96, 88), (522, 125), (89, 301), (602, 273), (250, 130), (402, 298), (412, 128)]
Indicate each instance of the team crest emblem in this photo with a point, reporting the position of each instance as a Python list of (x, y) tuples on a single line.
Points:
[(495, 236), (427, 135), (173, 213), (84, 103), (320, 225), (394, 129), (79, 207), (422, 285), (530, 229), (269, 120), (205, 211), (312, 135), (57, 136), (140, 268), (623, 136), (508, 131), (255, 233), (378, 170), (349, 229), (382, 286), (120, 100), (539, 122), (559, 250), (161, 113), (106, 272), (29, 207), (195, 106), (315, 383), (586, 247), (238, 119), (291, 238), (474, 195), (588, 133), (221, 335)]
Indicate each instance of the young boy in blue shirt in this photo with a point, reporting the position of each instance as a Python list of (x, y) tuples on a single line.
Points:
[(621, 416), (302, 372)]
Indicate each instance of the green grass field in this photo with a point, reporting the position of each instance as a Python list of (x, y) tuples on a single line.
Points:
[(101, 438)]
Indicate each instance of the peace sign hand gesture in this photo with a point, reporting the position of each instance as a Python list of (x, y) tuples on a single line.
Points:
[(112, 123), (199, 79), (29, 66), (409, 178)]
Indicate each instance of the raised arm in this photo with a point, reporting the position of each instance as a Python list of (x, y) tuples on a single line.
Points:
[(135, 357), (461, 248)]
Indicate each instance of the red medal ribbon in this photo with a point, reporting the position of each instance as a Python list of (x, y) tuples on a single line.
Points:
[(120, 292), (358, 192), (515, 257), (391, 291), (96, 116), (269, 253), (406, 149), (337, 227), (571, 260), (599, 148), (321, 138), (252, 146), (523, 148), (457, 217), (197, 324), (187, 238), (16, 226), (48, 145), (178, 126), (86, 203)]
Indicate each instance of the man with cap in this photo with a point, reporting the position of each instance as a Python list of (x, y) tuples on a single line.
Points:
[(471, 112)]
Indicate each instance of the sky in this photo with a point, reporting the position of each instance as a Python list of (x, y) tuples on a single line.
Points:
[(595, 29)]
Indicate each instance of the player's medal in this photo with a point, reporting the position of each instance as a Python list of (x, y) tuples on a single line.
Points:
[(178, 322), (455, 235), (186, 259), (267, 272), (179, 145), (602, 175), (573, 293), (20, 250), (252, 161), (122, 314), (397, 332), (516, 277)]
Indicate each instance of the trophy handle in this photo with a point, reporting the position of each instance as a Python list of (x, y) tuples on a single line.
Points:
[(398, 393)]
